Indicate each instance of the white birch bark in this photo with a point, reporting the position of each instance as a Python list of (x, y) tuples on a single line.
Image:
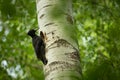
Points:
[(61, 49)]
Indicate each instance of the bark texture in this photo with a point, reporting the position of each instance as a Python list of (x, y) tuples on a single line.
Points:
[(55, 19)]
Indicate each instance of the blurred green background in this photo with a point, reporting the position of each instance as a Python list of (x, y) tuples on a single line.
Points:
[(98, 33)]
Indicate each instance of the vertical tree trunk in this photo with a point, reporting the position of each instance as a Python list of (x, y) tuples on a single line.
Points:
[(54, 18)]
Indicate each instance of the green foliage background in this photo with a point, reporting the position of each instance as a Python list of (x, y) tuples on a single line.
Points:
[(98, 35)]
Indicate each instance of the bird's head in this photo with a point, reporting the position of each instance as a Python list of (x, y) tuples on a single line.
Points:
[(31, 32)]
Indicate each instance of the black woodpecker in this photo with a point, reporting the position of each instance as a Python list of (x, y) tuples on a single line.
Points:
[(39, 45)]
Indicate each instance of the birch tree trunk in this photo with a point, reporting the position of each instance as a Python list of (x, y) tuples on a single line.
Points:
[(54, 18)]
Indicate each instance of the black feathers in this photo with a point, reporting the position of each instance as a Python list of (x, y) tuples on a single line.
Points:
[(39, 45)]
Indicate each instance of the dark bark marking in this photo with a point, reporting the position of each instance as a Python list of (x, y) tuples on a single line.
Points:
[(47, 6), (52, 32), (44, 7), (74, 55), (61, 65), (62, 42), (53, 47), (69, 18), (60, 62), (53, 37), (58, 37), (42, 15), (48, 24)]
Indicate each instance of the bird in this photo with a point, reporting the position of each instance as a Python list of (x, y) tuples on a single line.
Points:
[(39, 45)]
